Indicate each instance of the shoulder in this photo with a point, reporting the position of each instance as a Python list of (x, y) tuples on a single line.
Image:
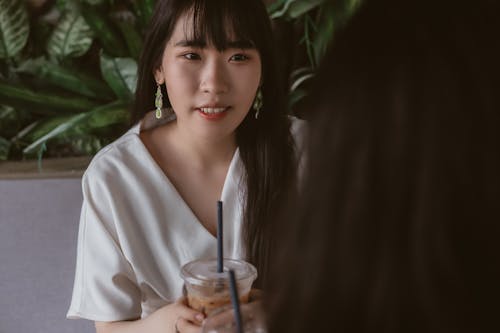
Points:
[(115, 157)]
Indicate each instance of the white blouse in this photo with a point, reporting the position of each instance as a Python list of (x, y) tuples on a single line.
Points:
[(136, 232)]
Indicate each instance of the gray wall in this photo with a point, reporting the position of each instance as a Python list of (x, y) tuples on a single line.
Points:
[(38, 232)]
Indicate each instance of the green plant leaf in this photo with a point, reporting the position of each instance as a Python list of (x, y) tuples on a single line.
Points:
[(64, 125), (295, 8), (121, 75), (102, 117), (144, 10), (4, 148), (68, 79), (275, 6), (71, 37), (296, 96), (301, 79), (88, 145), (110, 39), (94, 2), (83, 123), (40, 128), (332, 16), (14, 27), (42, 103), (125, 20), (11, 121), (325, 28), (7, 118), (19, 138)]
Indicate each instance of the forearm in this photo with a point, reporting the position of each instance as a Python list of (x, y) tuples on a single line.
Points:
[(156, 322)]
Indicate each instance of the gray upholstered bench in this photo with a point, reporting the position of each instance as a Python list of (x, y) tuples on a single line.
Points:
[(38, 232)]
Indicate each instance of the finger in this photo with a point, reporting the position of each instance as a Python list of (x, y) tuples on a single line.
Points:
[(255, 295), (182, 300), (186, 326), (187, 313), (220, 319)]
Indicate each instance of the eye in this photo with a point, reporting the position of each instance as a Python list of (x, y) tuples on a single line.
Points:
[(191, 56), (239, 57)]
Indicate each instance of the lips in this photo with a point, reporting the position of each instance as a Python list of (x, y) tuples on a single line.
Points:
[(212, 112)]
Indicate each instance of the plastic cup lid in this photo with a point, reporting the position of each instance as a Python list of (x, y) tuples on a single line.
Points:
[(204, 271)]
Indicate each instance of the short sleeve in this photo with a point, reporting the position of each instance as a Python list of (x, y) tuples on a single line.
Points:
[(105, 287)]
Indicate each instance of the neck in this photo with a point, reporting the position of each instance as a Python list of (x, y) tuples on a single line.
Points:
[(204, 152)]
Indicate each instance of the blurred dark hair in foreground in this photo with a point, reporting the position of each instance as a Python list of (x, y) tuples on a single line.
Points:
[(398, 225)]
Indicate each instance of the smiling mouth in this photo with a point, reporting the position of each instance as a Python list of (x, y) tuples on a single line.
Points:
[(212, 110)]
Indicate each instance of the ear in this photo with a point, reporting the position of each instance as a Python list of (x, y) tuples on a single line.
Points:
[(158, 74)]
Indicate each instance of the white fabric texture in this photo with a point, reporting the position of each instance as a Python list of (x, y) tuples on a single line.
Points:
[(136, 232)]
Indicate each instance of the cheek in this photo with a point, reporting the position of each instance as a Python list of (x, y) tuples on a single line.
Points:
[(179, 74), (247, 82), (179, 81)]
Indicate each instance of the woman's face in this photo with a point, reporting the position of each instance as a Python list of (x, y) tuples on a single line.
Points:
[(210, 91)]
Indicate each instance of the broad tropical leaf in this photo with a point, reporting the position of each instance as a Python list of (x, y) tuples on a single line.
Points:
[(109, 37), (332, 15), (4, 148), (88, 145), (121, 75), (84, 122), (107, 115), (126, 22), (325, 29), (294, 8), (14, 27), (66, 123), (40, 128), (11, 121), (66, 78), (94, 2), (102, 117), (301, 80), (71, 37), (144, 10), (7, 116), (296, 96), (42, 103)]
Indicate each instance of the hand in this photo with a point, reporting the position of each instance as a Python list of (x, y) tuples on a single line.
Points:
[(255, 295), (172, 318), (179, 318), (223, 320)]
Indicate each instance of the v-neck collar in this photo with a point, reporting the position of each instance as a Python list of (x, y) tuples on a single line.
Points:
[(231, 185)]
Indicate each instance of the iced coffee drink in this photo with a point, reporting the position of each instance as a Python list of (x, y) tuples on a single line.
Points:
[(208, 290)]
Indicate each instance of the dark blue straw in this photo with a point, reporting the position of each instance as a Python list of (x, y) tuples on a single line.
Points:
[(236, 301), (220, 254)]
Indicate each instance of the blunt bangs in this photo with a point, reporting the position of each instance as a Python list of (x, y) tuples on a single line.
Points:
[(223, 23)]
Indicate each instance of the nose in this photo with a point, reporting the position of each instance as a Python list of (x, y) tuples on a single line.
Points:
[(215, 78)]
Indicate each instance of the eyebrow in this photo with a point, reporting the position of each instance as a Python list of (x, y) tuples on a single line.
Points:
[(192, 43), (239, 44)]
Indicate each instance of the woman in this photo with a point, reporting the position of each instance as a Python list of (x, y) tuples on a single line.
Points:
[(398, 227), (150, 197)]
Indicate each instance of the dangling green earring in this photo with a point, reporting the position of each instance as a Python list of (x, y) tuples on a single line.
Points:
[(257, 103), (158, 102)]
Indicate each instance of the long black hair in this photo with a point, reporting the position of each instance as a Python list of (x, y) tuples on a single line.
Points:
[(265, 144), (398, 227)]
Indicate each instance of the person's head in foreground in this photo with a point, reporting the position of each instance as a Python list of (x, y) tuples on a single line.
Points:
[(398, 226)]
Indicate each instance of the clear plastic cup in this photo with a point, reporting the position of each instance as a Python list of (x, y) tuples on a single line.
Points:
[(207, 290), (222, 320)]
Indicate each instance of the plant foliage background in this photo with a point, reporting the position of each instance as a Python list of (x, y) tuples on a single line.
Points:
[(68, 67)]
